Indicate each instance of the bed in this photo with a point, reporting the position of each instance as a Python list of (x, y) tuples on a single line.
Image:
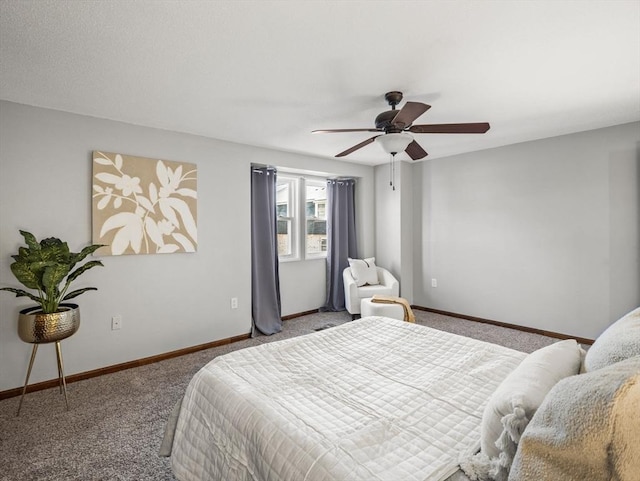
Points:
[(375, 399)]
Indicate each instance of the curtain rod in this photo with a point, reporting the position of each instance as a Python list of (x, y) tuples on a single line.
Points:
[(342, 181), (261, 170)]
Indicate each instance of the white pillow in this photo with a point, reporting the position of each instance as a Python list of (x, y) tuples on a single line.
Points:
[(364, 271), (525, 388), (620, 341)]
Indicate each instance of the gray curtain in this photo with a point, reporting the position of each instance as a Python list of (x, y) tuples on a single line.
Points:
[(265, 281), (341, 238)]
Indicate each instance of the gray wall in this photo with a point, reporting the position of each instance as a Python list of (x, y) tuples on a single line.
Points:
[(167, 302), (394, 224), (542, 234)]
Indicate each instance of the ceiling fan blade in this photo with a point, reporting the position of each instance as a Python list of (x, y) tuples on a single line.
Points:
[(414, 151), (356, 147), (331, 131), (473, 128), (408, 113)]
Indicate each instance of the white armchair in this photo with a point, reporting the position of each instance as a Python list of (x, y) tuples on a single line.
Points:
[(388, 286)]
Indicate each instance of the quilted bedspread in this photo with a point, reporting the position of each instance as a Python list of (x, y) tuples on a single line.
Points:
[(373, 399)]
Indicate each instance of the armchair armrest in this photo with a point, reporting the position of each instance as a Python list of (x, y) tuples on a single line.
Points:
[(351, 299), (386, 278)]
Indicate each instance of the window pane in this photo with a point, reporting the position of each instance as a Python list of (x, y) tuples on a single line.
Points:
[(315, 202), (311, 208), (283, 208), (284, 237)]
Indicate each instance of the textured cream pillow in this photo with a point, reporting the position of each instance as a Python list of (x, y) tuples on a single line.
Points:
[(587, 428), (620, 341), (525, 388), (364, 271)]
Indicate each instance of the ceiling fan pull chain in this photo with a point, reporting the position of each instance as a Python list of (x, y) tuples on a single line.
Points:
[(390, 170), (393, 163)]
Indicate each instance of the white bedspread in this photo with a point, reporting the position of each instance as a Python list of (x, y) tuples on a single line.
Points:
[(373, 399)]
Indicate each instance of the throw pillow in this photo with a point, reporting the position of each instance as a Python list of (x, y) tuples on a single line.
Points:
[(618, 342), (522, 391), (588, 427), (364, 271), (512, 405)]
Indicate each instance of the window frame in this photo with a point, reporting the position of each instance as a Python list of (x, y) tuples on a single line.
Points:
[(298, 217)]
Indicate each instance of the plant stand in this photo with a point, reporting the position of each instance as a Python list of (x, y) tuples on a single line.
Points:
[(36, 327), (61, 379)]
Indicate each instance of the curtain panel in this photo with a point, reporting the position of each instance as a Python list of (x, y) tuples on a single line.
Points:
[(341, 238), (265, 281)]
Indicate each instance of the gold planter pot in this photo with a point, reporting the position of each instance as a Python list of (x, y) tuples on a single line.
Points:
[(36, 327)]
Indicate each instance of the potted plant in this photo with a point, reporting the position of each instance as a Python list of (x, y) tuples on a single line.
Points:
[(43, 267)]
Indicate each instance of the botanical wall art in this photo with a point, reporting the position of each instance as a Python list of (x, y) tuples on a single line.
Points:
[(143, 206)]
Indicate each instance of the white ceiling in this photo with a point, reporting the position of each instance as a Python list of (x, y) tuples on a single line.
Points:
[(266, 73)]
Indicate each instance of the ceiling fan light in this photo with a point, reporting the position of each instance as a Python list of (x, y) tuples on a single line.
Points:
[(395, 142)]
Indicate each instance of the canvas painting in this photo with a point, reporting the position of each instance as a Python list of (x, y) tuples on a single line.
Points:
[(143, 206)]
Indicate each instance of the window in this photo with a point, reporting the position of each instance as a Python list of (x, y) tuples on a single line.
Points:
[(285, 210), (301, 204), (316, 232)]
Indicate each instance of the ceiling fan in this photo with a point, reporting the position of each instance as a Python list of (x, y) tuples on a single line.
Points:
[(395, 123)]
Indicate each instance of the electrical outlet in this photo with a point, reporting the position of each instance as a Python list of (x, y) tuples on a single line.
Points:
[(234, 303), (116, 323), (434, 282)]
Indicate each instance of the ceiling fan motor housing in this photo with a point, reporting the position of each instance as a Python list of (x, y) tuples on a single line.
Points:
[(385, 119)]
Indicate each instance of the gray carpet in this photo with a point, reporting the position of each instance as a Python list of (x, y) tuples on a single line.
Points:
[(116, 422)]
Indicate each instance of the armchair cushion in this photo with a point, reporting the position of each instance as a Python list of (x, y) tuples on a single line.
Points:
[(364, 271)]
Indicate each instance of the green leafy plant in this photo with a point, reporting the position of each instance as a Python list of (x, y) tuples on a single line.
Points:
[(44, 266)]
